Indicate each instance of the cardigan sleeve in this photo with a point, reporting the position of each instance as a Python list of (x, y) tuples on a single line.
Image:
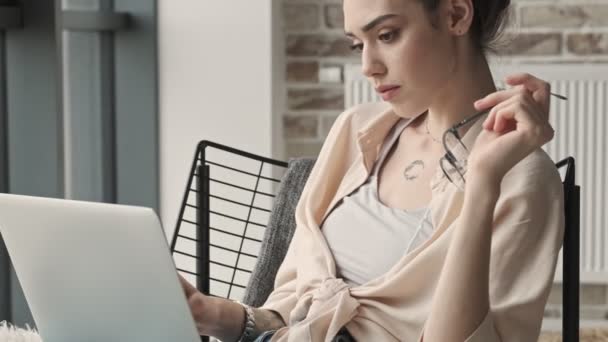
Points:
[(501, 326), (528, 230)]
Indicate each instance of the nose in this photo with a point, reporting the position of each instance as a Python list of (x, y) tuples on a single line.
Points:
[(370, 64)]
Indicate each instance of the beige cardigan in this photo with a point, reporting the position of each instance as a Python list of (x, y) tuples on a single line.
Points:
[(527, 236)]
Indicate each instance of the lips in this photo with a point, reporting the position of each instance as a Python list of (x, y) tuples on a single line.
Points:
[(387, 92), (385, 88)]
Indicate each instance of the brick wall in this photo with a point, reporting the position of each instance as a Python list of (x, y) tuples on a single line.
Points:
[(541, 31)]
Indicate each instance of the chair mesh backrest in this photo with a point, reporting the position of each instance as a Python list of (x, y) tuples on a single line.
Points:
[(226, 208)]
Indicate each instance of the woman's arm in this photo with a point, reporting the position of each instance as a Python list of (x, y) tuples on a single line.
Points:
[(517, 125), (230, 322), (461, 299), (223, 318)]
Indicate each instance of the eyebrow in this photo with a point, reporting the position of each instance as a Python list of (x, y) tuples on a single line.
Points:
[(372, 24)]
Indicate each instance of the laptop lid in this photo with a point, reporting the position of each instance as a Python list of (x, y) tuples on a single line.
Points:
[(95, 272)]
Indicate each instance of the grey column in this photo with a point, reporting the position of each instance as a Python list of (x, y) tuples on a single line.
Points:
[(137, 135), (110, 91), (10, 19), (34, 124), (5, 303), (89, 106), (4, 262)]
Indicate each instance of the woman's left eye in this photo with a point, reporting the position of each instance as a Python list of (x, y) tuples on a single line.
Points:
[(388, 36)]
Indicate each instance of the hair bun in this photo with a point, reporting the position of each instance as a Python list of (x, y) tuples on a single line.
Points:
[(489, 19)]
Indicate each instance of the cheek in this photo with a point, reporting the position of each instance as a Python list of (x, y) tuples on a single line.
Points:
[(422, 68), (417, 60)]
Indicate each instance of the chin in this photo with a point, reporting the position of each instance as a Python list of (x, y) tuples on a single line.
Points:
[(407, 109)]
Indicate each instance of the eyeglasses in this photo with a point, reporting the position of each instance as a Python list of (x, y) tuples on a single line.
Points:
[(454, 162)]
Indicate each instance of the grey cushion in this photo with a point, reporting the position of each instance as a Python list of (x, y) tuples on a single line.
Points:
[(279, 231)]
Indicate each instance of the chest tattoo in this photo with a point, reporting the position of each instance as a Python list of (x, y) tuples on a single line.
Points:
[(413, 170)]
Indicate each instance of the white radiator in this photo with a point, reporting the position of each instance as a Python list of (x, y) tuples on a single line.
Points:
[(580, 126)]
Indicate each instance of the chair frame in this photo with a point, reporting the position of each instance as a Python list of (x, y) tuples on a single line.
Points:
[(571, 254), (571, 243)]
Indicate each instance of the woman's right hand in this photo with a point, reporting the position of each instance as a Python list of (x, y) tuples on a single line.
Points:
[(224, 318), (201, 306)]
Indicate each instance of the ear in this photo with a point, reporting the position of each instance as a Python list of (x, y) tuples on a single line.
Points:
[(459, 16)]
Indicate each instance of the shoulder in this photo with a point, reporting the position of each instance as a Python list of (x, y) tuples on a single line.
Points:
[(531, 202), (535, 173)]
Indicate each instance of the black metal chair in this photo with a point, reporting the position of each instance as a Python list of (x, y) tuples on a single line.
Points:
[(228, 203), (570, 254)]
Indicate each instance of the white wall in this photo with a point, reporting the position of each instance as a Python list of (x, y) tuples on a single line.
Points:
[(220, 66)]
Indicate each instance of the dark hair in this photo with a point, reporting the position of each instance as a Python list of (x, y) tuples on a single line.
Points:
[(489, 19)]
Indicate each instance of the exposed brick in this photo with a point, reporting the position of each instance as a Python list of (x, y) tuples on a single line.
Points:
[(303, 149), (338, 68), (562, 16), (532, 44), (588, 43), (303, 72), (301, 16), (334, 17), (302, 126), (315, 99), (318, 45)]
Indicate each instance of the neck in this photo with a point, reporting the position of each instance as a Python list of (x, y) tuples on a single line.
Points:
[(454, 102)]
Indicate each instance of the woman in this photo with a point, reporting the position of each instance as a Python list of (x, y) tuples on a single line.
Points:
[(394, 241)]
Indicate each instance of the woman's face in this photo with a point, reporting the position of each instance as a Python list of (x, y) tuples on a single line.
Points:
[(399, 46)]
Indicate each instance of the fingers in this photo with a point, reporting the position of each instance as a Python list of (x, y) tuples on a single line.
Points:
[(514, 113), (199, 309), (517, 95), (521, 116), (497, 97), (540, 89), (490, 120), (197, 305), (189, 290), (531, 82), (525, 78)]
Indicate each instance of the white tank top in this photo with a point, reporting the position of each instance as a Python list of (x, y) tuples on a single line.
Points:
[(367, 237)]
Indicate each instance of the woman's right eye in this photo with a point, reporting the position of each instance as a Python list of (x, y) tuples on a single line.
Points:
[(357, 47), (388, 36)]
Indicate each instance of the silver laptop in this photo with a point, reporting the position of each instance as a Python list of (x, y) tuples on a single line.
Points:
[(95, 272)]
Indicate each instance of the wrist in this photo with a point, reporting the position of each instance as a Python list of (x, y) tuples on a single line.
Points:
[(485, 172), (481, 181), (480, 198), (481, 189), (227, 322)]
